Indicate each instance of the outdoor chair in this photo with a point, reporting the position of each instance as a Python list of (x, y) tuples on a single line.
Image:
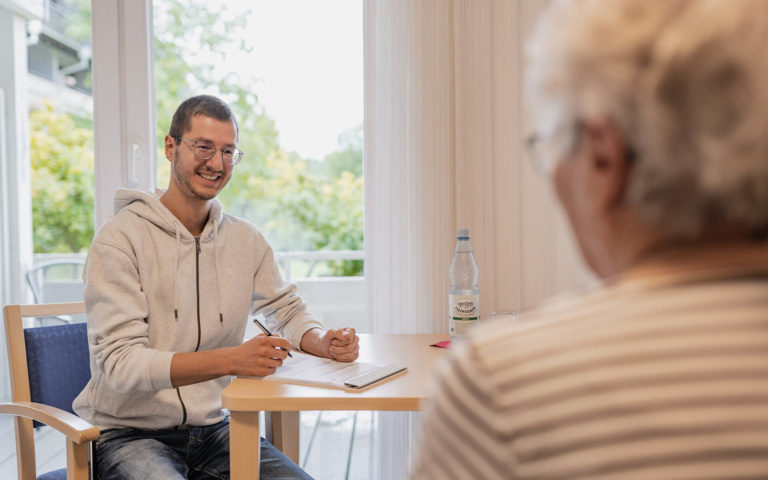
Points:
[(49, 367), (57, 281)]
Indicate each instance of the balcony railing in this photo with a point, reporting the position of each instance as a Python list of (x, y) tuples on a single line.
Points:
[(313, 258), (336, 301), (286, 260)]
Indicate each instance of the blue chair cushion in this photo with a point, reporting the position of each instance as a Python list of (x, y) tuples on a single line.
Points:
[(60, 474), (58, 363)]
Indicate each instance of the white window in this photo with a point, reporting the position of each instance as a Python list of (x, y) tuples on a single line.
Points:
[(293, 73)]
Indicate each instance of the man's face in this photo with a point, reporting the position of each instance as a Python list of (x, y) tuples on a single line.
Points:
[(198, 179)]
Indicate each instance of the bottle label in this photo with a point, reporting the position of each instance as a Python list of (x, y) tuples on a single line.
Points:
[(463, 314)]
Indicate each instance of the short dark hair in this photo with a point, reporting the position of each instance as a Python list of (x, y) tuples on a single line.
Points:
[(206, 105)]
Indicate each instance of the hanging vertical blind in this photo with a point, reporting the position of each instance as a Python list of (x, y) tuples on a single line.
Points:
[(443, 150)]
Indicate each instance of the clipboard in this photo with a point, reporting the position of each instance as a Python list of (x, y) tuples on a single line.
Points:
[(306, 369), (374, 376)]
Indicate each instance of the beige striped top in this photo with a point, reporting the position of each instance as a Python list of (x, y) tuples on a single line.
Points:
[(659, 378)]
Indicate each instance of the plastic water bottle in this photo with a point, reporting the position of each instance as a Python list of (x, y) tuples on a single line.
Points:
[(463, 298)]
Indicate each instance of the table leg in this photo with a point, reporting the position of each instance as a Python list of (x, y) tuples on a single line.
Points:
[(244, 445), (285, 433)]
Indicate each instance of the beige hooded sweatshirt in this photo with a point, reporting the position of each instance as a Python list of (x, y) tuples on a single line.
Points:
[(152, 289)]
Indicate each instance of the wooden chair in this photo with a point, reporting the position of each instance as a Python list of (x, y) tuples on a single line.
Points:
[(49, 367)]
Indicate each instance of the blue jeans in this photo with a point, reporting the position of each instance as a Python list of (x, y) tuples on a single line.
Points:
[(192, 453)]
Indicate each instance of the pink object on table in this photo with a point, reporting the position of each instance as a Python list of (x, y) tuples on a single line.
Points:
[(443, 344)]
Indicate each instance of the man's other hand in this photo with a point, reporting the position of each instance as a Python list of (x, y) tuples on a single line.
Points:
[(341, 344)]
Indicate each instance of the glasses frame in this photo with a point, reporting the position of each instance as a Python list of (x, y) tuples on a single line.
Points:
[(236, 156), (545, 151), (532, 147)]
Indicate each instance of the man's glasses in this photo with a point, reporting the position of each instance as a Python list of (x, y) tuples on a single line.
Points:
[(206, 151)]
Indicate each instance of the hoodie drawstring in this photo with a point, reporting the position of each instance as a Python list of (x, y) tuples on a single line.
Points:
[(176, 275), (216, 269)]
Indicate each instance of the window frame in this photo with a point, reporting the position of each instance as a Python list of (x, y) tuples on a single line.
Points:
[(123, 101)]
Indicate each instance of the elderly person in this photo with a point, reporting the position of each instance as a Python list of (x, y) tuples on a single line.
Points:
[(652, 117)]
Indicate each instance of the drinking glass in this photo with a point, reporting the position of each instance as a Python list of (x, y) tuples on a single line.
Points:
[(506, 314)]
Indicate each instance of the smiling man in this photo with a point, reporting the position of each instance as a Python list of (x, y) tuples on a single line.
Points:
[(170, 283)]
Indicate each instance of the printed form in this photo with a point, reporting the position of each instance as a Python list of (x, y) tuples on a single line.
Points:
[(308, 369)]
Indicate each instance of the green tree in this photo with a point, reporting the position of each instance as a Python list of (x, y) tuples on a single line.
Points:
[(330, 212), (187, 48), (78, 27), (62, 182), (300, 204), (349, 155), (296, 212)]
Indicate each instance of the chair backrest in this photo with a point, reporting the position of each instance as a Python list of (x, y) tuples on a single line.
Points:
[(48, 365), (57, 363)]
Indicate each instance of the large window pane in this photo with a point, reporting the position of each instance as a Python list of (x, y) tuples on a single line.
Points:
[(292, 71), (61, 147), (53, 92)]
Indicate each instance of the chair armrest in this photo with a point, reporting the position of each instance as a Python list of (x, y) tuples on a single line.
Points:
[(74, 427)]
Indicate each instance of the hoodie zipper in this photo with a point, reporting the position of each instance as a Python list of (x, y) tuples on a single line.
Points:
[(199, 329), (197, 287), (183, 407)]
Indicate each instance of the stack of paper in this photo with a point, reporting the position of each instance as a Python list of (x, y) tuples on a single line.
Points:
[(308, 369)]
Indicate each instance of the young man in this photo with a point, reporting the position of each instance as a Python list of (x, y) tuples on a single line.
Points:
[(653, 116), (170, 283)]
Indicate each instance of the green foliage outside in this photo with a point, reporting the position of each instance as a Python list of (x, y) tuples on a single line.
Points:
[(62, 182), (327, 213), (348, 157), (300, 204), (79, 27)]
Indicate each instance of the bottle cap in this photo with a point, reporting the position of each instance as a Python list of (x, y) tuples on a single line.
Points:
[(463, 234)]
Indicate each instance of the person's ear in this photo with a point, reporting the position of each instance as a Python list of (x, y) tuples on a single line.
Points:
[(170, 142), (610, 160)]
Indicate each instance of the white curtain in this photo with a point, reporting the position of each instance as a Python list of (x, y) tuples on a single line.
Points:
[(444, 130)]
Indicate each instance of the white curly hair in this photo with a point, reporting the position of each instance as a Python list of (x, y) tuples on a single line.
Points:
[(687, 83)]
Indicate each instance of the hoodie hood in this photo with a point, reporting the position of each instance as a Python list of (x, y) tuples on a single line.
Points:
[(147, 204)]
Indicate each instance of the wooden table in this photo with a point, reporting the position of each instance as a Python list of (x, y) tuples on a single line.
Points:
[(246, 397)]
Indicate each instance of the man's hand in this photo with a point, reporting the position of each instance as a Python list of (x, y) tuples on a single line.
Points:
[(260, 355), (339, 344), (342, 344)]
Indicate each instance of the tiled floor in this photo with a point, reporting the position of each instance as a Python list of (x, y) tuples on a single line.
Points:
[(333, 446)]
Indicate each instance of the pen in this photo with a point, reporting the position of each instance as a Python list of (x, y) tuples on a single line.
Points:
[(267, 332)]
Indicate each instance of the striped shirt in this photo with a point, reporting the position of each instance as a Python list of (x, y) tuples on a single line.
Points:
[(663, 379)]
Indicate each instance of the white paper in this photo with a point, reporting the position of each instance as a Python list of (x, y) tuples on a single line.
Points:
[(308, 369)]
